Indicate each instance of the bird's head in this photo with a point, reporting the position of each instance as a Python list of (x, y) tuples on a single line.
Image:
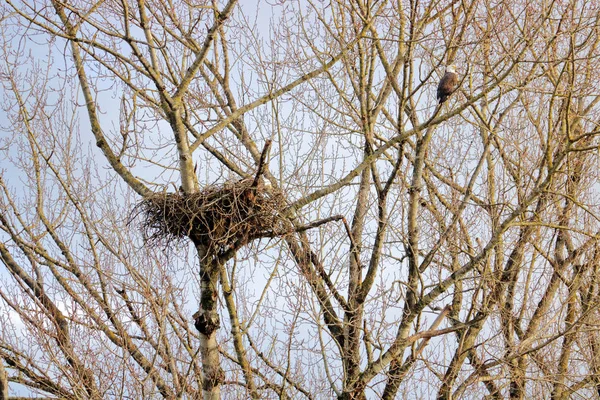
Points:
[(451, 68)]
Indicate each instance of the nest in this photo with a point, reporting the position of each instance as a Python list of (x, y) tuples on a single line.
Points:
[(220, 217)]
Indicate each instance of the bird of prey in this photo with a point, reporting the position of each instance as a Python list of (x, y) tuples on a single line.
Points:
[(447, 84)]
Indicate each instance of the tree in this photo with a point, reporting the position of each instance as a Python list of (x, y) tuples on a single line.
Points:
[(202, 201)]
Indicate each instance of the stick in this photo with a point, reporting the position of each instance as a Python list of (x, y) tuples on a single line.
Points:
[(261, 164)]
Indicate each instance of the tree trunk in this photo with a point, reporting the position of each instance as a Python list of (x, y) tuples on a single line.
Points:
[(207, 323), (3, 382)]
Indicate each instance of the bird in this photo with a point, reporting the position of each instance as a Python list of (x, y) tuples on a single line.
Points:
[(447, 84)]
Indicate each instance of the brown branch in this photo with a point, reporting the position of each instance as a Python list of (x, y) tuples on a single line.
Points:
[(3, 381), (262, 163)]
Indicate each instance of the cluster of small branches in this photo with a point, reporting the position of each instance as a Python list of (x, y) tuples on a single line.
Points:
[(218, 217)]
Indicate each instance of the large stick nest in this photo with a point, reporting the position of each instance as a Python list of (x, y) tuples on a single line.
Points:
[(219, 217)]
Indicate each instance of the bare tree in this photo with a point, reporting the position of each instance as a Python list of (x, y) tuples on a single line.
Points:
[(220, 199)]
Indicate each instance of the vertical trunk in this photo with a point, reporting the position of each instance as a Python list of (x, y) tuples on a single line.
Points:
[(354, 316), (207, 323), (3, 382), (189, 182), (412, 250), (213, 374)]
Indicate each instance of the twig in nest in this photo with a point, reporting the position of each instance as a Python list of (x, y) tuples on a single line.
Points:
[(251, 192), (262, 163)]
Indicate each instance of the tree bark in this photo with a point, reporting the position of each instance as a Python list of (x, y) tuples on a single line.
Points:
[(207, 322), (3, 381)]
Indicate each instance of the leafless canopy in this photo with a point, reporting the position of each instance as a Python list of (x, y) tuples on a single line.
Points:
[(350, 237)]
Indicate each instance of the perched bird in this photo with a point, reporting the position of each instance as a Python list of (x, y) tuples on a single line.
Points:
[(447, 84)]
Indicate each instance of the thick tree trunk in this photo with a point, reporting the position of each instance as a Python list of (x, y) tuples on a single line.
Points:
[(207, 323), (3, 382)]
